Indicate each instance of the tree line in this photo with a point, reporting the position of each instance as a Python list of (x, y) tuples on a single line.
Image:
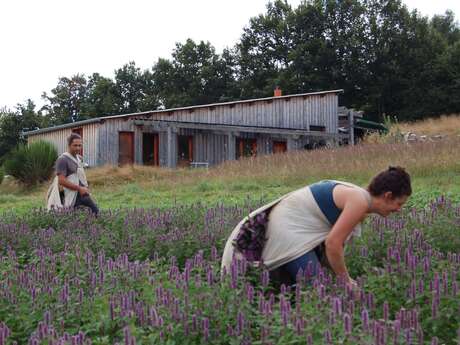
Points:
[(388, 60)]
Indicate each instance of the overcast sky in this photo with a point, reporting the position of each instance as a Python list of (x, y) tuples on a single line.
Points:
[(42, 40)]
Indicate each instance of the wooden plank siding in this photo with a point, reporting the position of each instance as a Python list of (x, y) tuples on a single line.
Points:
[(109, 139), (298, 113), (59, 139), (214, 129)]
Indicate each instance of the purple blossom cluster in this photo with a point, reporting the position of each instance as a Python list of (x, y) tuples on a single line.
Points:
[(75, 283), (251, 238)]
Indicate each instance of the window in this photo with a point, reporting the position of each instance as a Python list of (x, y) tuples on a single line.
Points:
[(316, 128), (246, 147)]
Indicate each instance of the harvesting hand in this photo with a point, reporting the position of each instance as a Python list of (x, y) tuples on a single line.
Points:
[(83, 191), (353, 284)]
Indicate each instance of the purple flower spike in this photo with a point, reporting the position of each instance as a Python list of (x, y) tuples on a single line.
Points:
[(347, 323), (434, 308), (337, 306), (206, 328), (327, 337), (386, 310), (127, 335), (240, 324), (299, 326), (365, 319), (265, 278)]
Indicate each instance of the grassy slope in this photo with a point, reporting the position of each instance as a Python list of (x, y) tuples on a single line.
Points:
[(434, 166)]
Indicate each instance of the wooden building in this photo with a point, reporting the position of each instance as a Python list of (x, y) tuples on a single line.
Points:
[(205, 134)]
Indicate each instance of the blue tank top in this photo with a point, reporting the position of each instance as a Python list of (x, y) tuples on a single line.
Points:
[(322, 192)]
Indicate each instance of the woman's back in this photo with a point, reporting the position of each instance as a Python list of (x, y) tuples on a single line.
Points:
[(301, 221)]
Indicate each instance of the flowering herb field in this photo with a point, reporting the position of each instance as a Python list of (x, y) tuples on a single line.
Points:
[(152, 276)]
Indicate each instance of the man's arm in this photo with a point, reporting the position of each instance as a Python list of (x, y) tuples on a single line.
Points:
[(61, 172), (63, 181)]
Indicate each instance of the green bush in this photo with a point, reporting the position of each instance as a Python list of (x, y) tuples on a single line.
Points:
[(2, 175), (32, 164)]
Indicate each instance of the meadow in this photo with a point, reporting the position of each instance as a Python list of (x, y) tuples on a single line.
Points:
[(147, 270)]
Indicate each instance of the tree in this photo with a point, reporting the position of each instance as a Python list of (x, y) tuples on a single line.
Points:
[(447, 27), (13, 123), (102, 97), (263, 51), (386, 58), (135, 89), (68, 100), (10, 129), (196, 75)]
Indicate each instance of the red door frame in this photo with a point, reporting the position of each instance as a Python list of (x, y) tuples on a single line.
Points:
[(282, 144), (254, 147), (131, 138), (190, 148), (156, 145), (241, 144)]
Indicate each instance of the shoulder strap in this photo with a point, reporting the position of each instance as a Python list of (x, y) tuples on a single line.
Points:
[(76, 160)]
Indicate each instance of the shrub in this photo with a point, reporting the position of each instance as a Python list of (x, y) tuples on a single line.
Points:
[(2, 175), (32, 164)]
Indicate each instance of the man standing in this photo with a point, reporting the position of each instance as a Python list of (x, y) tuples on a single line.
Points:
[(71, 177)]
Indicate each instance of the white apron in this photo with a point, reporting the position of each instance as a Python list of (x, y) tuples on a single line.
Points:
[(53, 198), (295, 226)]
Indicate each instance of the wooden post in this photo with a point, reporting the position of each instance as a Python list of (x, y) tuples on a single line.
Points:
[(231, 146), (351, 127), (172, 151), (292, 143)]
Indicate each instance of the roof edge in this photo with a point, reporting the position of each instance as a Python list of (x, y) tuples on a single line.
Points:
[(99, 119)]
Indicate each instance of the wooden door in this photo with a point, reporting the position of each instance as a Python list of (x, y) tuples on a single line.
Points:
[(150, 148), (246, 148), (184, 150), (125, 148), (279, 146), (79, 131)]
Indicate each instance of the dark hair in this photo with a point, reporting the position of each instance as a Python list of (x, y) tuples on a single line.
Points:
[(395, 180), (72, 137)]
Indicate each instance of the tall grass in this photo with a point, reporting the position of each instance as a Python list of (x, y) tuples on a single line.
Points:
[(445, 125), (434, 167), (361, 161), (351, 161)]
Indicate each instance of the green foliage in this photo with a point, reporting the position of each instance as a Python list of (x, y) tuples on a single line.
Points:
[(387, 59), (67, 102), (12, 123), (103, 98), (15, 164), (2, 174), (32, 164), (134, 89), (196, 75)]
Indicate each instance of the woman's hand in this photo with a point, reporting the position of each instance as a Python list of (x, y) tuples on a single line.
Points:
[(354, 287), (83, 191), (353, 284)]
